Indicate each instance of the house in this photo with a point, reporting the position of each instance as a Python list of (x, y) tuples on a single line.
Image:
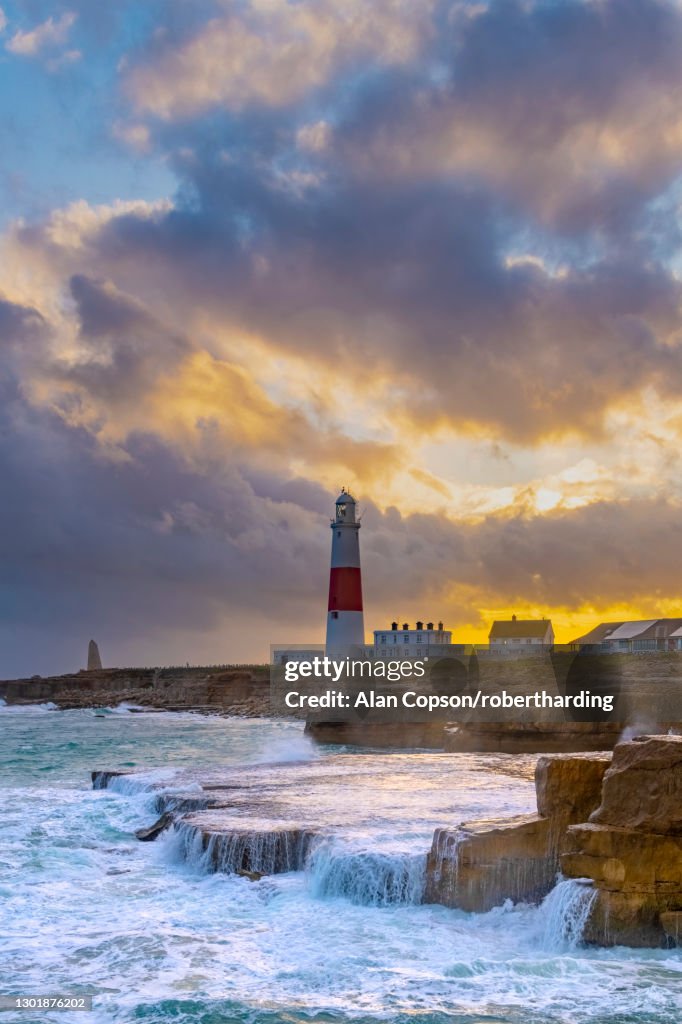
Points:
[(675, 640), (636, 636), (520, 636), (403, 642)]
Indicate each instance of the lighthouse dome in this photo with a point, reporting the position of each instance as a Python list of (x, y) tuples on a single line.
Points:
[(345, 498)]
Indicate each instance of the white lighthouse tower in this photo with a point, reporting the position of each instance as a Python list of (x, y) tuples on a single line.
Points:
[(345, 620)]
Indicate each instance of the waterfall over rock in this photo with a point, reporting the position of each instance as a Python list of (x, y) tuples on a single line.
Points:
[(268, 851), (565, 912), (367, 878)]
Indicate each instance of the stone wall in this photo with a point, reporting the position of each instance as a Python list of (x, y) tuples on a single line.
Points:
[(647, 690)]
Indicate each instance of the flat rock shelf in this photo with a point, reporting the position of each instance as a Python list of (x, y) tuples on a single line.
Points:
[(361, 824), (412, 828)]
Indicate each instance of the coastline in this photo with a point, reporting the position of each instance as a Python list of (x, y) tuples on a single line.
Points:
[(232, 690)]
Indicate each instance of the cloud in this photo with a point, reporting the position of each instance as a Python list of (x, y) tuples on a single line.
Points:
[(272, 54), (17, 322), (401, 293), (129, 550), (47, 35), (135, 135), (372, 275), (64, 60), (3, 20), (172, 549), (163, 561), (571, 109)]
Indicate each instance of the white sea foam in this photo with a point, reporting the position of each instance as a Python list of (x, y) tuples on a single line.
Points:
[(126, 708), (26, 709), (287, 750)]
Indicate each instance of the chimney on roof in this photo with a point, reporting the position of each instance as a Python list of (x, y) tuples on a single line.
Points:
[(513, 618)]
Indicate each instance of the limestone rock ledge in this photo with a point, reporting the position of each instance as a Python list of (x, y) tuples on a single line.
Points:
[(266, 851), (478, 865), (631, 847)]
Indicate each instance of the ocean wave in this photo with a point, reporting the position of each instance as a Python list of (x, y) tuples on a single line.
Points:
[(24, 709)]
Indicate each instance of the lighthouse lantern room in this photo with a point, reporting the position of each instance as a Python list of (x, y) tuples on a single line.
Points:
[(345, 620)]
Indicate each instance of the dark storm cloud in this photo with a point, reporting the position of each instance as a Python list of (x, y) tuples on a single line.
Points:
[(17, 321), (569, 110), (125, 348), (362, 277), (137, 549), (540, 130), (593, 555)]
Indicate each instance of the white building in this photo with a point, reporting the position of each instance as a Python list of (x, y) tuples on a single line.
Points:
[(520, 636), (423, 640)]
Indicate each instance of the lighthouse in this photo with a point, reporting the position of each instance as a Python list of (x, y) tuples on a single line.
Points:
[(345, 621)]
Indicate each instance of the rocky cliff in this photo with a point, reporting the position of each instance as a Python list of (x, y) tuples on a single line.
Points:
[(478, 865), (239, 690), (631, 846)]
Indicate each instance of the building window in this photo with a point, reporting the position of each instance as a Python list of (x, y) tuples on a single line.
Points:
[(419, 638), (406, 639), (335, 615), (383, 639)]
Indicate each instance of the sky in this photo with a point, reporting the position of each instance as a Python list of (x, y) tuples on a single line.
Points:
[(252, 251)]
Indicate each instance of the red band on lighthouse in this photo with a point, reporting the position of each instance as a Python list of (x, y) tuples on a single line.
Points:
[(345, 590)]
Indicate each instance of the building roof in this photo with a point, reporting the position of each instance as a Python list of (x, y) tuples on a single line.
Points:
[(657, 629), (519, 629), (345, 498), (629, 630), (599, 633), (660, 629)]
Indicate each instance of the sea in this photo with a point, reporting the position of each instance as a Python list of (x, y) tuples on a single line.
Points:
[(87, 909)]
